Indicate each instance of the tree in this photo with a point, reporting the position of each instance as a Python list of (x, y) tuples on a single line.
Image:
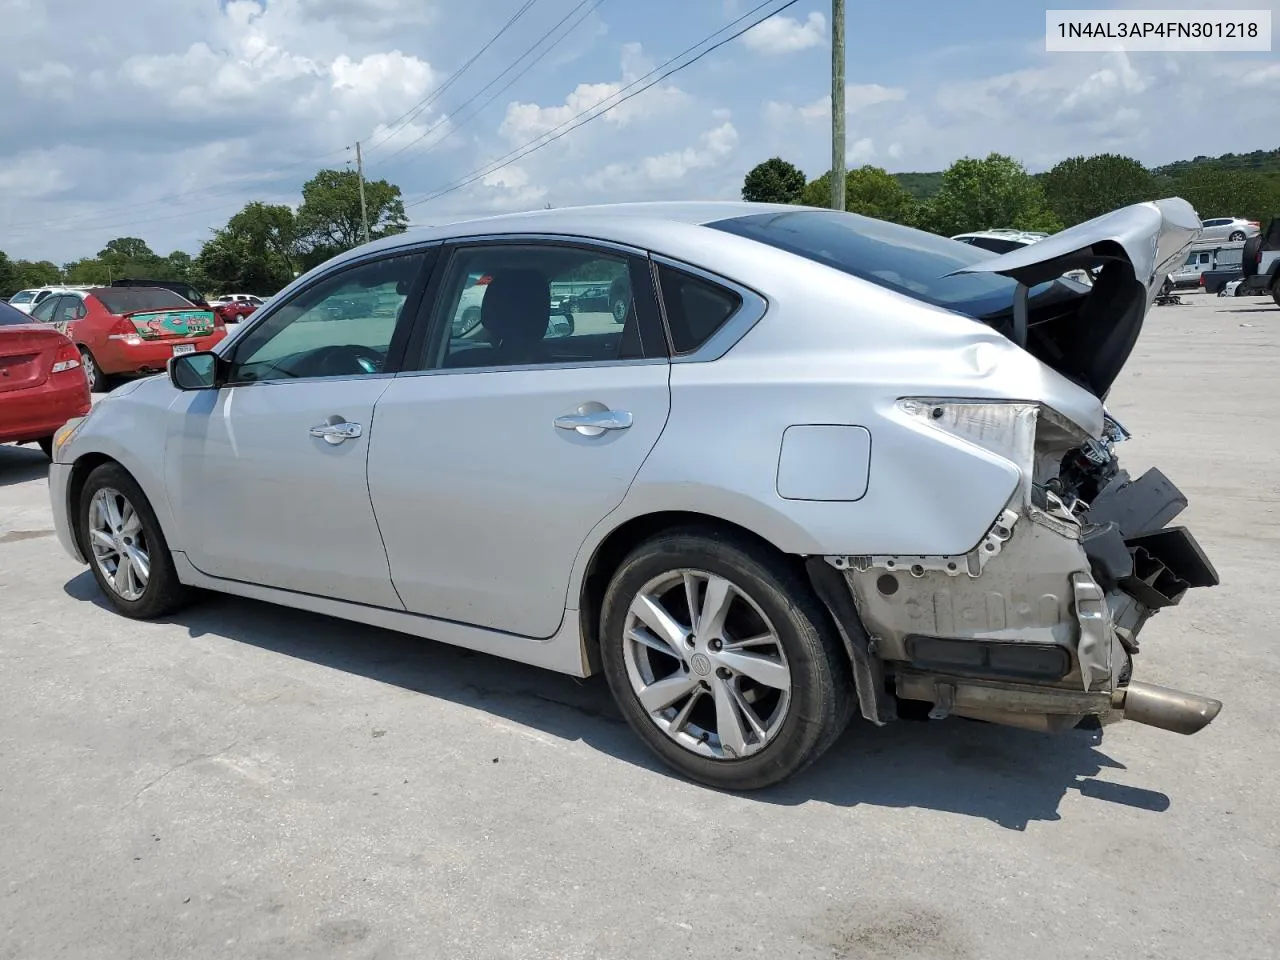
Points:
[(774, 181), (870, 191), (91, 270), (179, 264), (1229, 193), (35, 273), (1081, 188), (981, 194), (256, 252), (328, 221)]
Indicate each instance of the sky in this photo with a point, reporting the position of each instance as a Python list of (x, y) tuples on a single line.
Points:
[(161, 118)]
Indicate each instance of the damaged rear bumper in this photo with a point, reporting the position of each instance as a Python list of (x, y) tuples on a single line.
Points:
[(1038, 625)]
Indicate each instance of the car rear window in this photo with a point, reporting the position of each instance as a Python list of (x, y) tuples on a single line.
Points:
[(120, 300), (22, 296), (9, 317), (909, 261), (996, 244)]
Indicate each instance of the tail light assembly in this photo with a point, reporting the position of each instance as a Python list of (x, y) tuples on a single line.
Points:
[(126, 331), (66, 358)]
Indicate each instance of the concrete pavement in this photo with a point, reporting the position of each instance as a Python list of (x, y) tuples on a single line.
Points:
[(252, 782)]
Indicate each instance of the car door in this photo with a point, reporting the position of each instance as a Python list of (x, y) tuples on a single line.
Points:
[(512, 439), (268, 472)]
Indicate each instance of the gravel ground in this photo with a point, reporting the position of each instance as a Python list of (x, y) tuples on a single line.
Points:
[(246, 781)]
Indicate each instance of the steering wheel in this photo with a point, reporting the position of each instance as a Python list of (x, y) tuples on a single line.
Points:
[(348, 358)]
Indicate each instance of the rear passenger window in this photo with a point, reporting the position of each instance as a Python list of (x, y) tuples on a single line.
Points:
[(696, 308)]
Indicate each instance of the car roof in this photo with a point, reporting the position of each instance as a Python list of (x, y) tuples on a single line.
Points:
[(628, 223)]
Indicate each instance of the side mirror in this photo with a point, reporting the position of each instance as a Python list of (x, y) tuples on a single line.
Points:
[(196, 371)]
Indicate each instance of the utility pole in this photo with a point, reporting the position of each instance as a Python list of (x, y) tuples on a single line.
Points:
[(364, 215), (837, 105)]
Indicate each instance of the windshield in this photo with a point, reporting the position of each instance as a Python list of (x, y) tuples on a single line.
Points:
[(120, 300), (22, 296), (904, 259), (9, 317)]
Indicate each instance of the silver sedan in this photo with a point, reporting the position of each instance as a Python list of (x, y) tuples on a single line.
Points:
[(816, 465), (1229, 228)]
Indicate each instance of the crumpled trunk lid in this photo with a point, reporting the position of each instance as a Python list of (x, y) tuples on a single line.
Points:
[(1133, 249)]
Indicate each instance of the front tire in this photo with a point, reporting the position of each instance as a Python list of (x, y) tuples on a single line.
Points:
[(126, 549), (46, 446), (722, 659)]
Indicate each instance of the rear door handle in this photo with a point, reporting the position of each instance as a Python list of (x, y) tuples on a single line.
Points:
[(336, 432), (595, 422)]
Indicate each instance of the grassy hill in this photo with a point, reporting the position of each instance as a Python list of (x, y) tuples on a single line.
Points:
[(922, 186)]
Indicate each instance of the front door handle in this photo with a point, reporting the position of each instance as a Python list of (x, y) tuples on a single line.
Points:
[(336, 430), (593, 423)]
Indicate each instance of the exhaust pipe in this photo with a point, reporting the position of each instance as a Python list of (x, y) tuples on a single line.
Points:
[(1165, 707)]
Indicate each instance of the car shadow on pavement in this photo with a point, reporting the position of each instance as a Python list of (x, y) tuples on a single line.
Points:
[(1007, 776), (21, 464)]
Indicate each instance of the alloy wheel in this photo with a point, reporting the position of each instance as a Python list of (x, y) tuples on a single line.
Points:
[(706, 664), (90, 368), (119, 543)]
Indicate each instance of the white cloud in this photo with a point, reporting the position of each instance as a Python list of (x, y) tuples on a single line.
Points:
[(49, 79), (779, 35), (671, 167), (857, 98), (524, 121)]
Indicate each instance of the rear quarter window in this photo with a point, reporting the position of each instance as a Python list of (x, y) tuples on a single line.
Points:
[(695, 308)]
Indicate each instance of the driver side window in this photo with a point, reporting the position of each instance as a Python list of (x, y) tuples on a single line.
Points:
[(340, 326)]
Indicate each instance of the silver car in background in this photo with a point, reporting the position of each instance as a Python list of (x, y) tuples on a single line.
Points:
[(819, 466), (1229, 228)]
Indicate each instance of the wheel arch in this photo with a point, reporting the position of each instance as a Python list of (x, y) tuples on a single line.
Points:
[(80, 470), (87, 462), (828, 588), (608, 554)]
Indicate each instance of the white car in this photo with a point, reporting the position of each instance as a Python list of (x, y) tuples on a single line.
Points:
[(1229, 228), (28, 300), (826, 467), (1006, 240)]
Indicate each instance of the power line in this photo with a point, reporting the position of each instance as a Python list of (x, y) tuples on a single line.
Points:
[(221, 187), (543, 140), (409, 115), (497, 93)]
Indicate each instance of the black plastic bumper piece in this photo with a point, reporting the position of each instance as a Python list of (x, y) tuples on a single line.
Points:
[(1166, 564), (875, 702), (1137, 506)]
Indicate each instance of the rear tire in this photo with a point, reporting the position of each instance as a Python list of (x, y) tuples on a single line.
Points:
[(776, 704), (1236, 235), (1249, 256), (128, 536), (97, 379), (46, 445)]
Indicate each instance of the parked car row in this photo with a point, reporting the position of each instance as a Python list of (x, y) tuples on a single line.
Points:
[(121, 330), (914, 504)]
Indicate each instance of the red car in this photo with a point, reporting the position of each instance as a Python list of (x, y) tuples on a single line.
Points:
[(234, 308), (42, 384), (129, 330)]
